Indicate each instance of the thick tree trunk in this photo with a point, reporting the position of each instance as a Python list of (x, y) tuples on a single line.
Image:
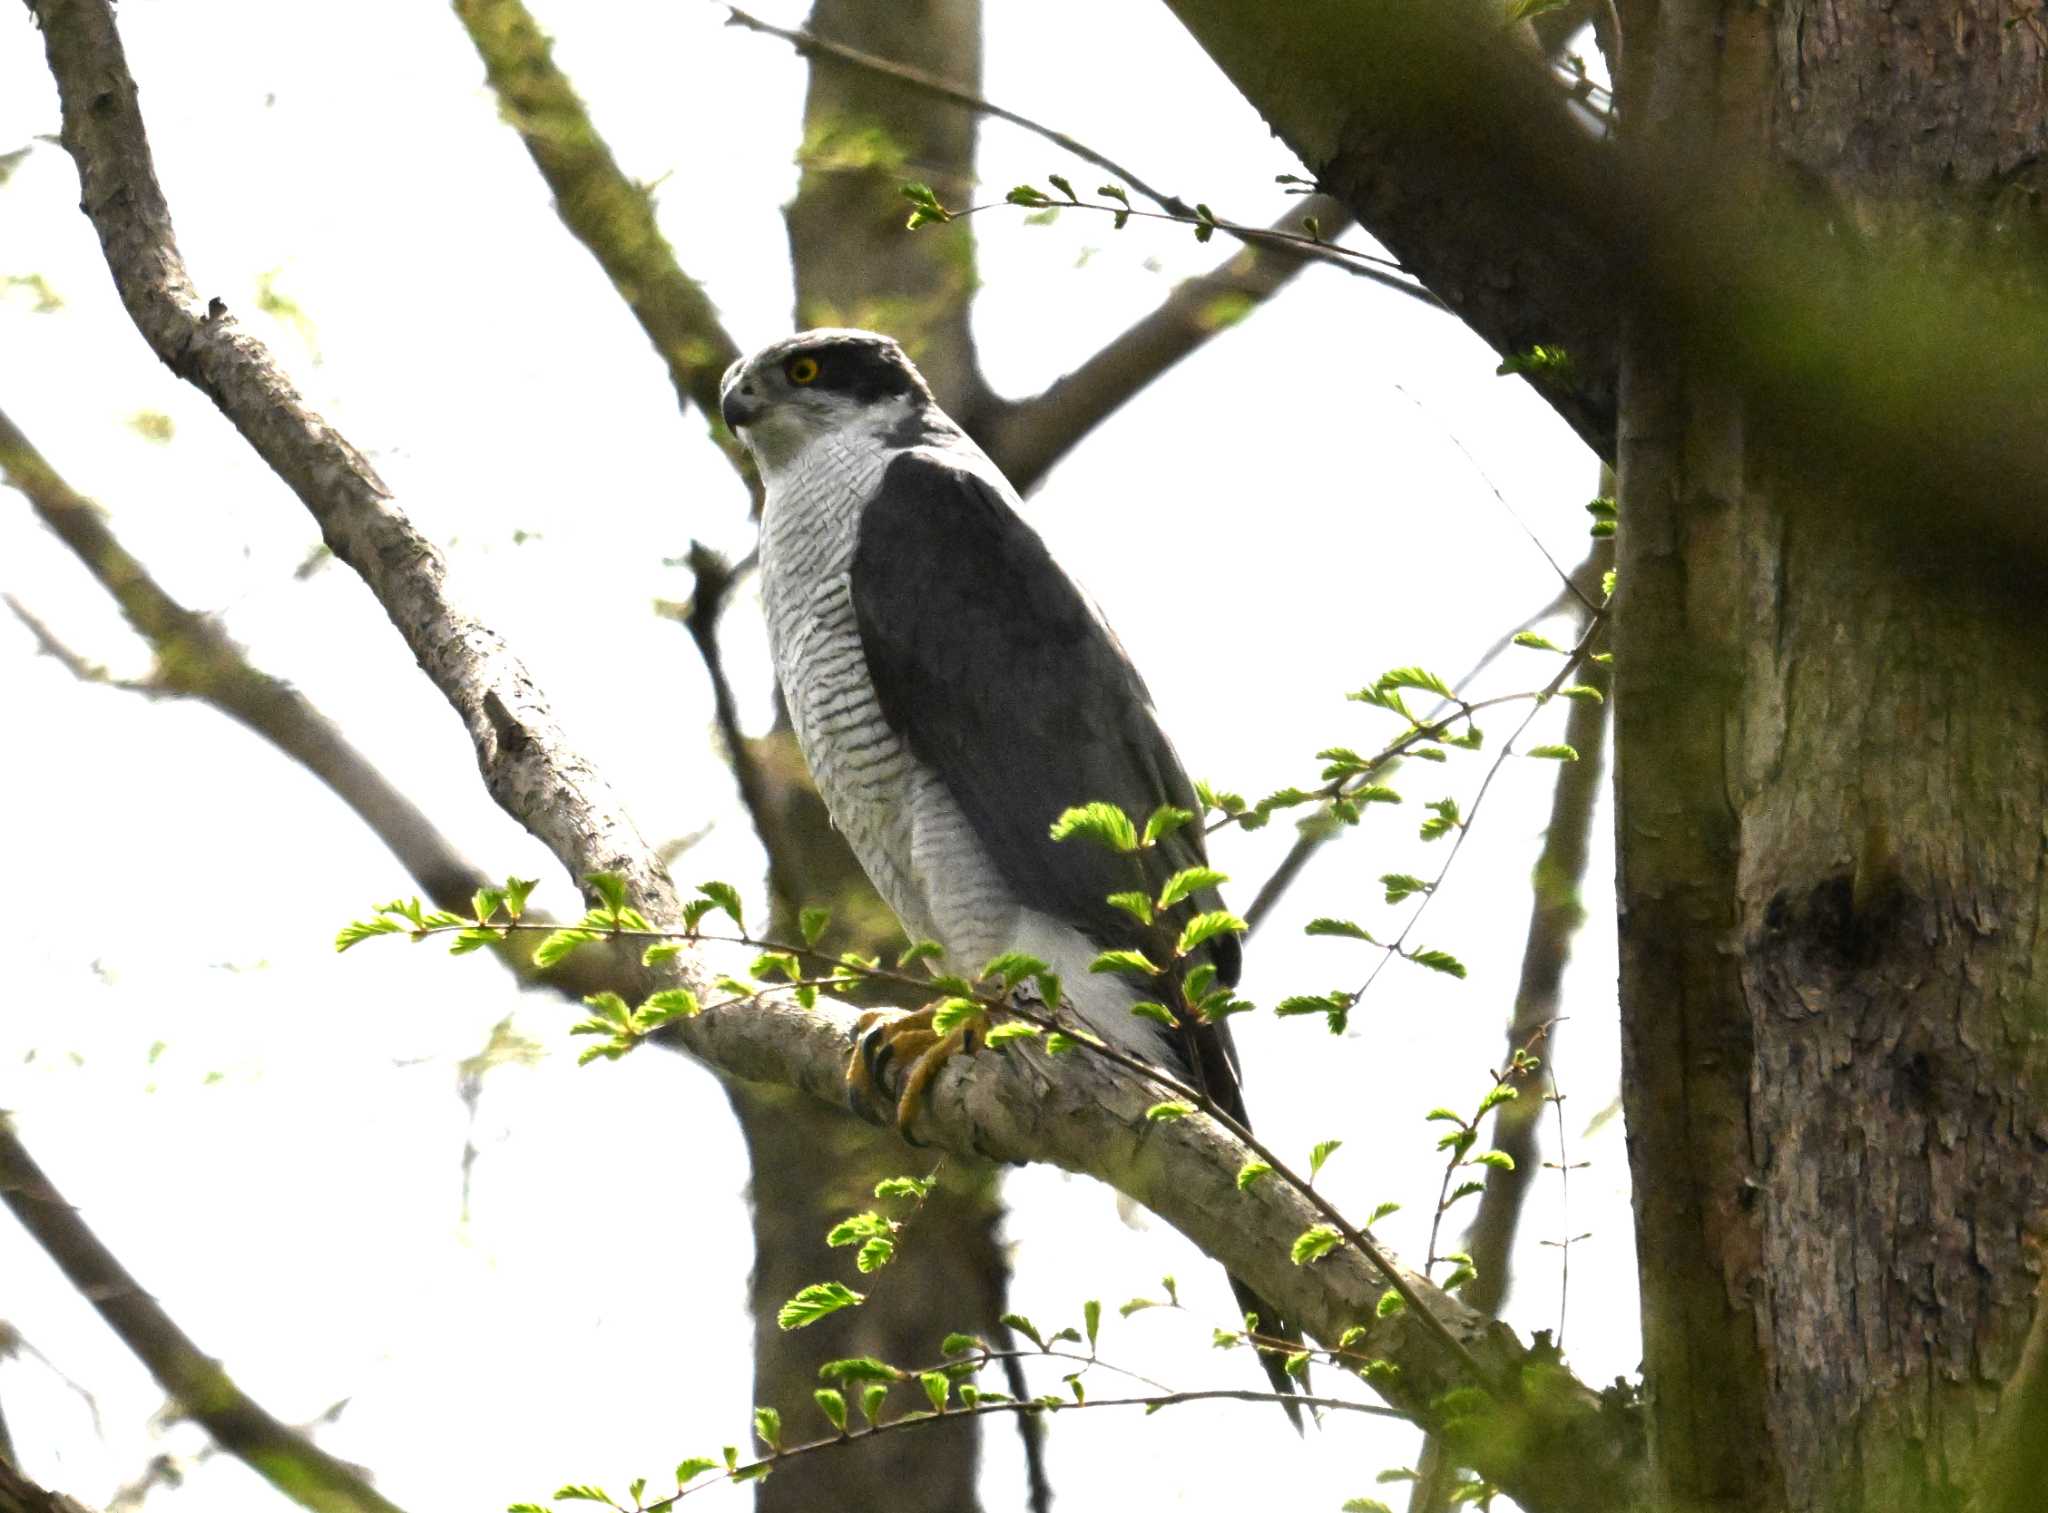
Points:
[(1831, 784)]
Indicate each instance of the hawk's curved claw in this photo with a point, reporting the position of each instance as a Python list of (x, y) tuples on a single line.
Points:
[(885, 1038)]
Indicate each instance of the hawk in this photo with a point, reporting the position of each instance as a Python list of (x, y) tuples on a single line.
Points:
[(953, 693)]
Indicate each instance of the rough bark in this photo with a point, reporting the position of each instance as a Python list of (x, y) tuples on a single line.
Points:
[(1454, 150), (1831, 792)]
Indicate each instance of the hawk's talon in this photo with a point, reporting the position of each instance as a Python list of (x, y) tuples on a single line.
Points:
[(885, 1038)]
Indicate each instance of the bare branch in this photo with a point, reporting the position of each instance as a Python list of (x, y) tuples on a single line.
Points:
[(814, 47), (20, 1495), (612, 216), (1026, 437), (519, 750), (289, 1461), (196, 658)]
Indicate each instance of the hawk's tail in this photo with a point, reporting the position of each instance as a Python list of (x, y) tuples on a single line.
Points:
[(1269, 1330)]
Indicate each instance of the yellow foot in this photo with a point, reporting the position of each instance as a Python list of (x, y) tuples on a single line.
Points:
[(887, 1040)]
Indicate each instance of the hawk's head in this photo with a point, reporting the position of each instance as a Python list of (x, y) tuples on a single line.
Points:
[(854, 386)]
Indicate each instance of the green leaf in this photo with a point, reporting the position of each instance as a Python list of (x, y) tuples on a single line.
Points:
[(1438, 961), (1163, 822), (1314, 1243), (1250, 1173), (664, 1005), (768, 1426), (1416, 677), (1584, 693), (1011, 968), (917, 951), (1158, 1013), (1534, 642), (1105, 824), (858, 1368), (815, 1302), (1397, 1474), (858, 1227), (362, 929), (1498, 1160), (1500, 1092), (475, 938), (1061, 185), (517, 891), (952, 1013), (1373, 1504), (1389, 1304), (1336, 1004), (1381, 1212), (609, 887), (1204, 928), (871, 1400), (832, 1404), (486, 902), (1024, 1326), (1464, 1190), (1344, 927), (937, 1388), (725, 898), (875, 1254), (812, 924), (905, 1187), (1187, 882), (1091, 1319), (1558, 752), (1006, 1034), (1322, 1152), (693, 1468), (1026, 194), (582, 1493), (660, 952), (1137, 905), (1173, 1108), (1400, 885), (1125, 961), (612, 1010), (559, 943)]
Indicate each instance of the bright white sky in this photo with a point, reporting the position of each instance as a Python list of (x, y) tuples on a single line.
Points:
[(270, 1135)]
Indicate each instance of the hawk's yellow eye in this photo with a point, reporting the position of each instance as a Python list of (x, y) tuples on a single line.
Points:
[(802, 370)]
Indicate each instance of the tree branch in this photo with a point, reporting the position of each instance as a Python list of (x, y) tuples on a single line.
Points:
[(812, 46), (1026, 437), (1541, 1435), (20, 1495), (612, 216), (298, 1468), (1554, 919), (196, 658)]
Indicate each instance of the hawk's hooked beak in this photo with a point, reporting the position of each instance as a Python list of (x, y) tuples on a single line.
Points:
[(739, 407)]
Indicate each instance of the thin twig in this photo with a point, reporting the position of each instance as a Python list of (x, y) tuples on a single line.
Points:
[(1317, 831), (813, 46), (289, 1461), (1045, 1406)]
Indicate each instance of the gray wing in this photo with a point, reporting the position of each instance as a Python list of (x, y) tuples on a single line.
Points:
[(994, 668)]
